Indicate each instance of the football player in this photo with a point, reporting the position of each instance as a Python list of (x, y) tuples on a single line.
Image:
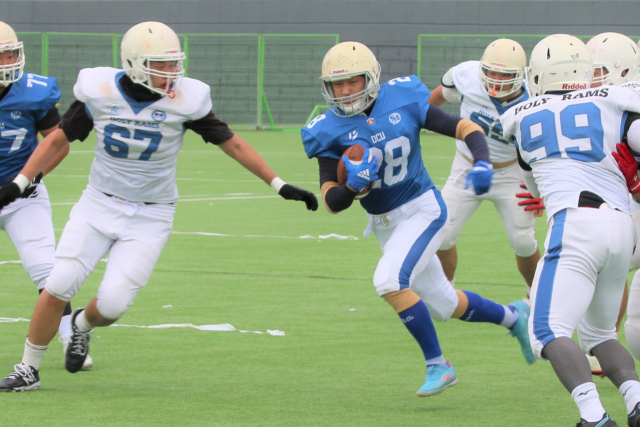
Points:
[(28, 107), (405, 210), (140, 115), (565, 136), (485, 89), (616, 61)]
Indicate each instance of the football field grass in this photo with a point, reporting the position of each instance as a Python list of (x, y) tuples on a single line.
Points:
[(237, 257)]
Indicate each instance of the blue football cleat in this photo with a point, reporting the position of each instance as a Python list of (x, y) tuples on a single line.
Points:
[(606, 421), (521, 330), (633, 420), (437, 379)]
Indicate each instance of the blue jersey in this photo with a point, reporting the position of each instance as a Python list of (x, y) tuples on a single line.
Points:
[(392, 133), (27, 102)]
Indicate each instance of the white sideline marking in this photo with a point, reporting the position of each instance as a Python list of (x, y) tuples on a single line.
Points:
[(223, 327), (11, 262), (328, 236)]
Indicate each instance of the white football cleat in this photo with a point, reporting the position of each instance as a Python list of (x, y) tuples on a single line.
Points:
[(88, 363), (595, 366)]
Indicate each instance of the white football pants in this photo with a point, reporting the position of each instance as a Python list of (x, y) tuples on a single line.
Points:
[(134, 234), (462, 204), (409, 237), (579, 282), (29, 226)]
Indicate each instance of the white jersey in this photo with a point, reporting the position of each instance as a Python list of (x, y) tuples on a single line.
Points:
[(477, 106), (137, 142), (568, 140)]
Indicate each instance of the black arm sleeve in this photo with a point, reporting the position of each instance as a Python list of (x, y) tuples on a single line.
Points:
[(631, 117), (446, 124), (211, 129), (337, 198), (523, 165), (76, 122), (441, 122), (51, 119)]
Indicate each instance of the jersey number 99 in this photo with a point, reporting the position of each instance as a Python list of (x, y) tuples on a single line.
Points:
[(577, 122)]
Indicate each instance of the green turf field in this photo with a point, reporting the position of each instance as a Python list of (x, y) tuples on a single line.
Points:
[(345, 359)]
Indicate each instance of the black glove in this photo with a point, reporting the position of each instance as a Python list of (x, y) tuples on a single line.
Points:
[(32, 187), (9, 193), (291, 192)]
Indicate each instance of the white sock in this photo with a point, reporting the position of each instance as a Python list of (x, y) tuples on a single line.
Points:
[(437, 361), (588, 401), (630, 390), (510, 317), (65, 327), (82, 323), (33, 354)]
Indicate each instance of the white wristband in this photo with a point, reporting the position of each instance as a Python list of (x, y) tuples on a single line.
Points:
[(277, 184), (22, 182)]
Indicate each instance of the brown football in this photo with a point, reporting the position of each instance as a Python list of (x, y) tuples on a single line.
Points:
[(354, 154)]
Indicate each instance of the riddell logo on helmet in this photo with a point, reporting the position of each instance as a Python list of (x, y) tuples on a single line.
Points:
[(339, 71), (498, 64), (573, 86)]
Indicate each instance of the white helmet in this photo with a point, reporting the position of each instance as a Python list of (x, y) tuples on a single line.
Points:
[(559, 62), (152, 42), (617, 54), (11, 73), (344, 61), (507, 57)]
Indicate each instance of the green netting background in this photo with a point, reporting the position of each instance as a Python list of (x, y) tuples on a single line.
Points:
[(265, 80), (291, 75), (438, 52)]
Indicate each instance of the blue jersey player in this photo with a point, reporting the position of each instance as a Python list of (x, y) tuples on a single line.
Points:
[(405, 210), (28, 107)]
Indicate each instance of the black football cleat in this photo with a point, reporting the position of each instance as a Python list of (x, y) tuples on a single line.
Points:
[(23, 378), (606, 421), (633, 420), (78, 348)]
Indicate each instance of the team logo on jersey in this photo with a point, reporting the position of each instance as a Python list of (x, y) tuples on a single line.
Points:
[(158, 115), (353, 135), (395, 118), (116, 109), (15, 115), (371, 121)]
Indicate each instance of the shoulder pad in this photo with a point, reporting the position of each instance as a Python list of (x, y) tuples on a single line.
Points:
[(447, 79), (91, 83), (193, 98), (37, 90)]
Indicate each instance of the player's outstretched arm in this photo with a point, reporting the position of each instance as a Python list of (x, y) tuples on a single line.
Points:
[(437, 97), (59, 157), (42, 156), (242, 152)]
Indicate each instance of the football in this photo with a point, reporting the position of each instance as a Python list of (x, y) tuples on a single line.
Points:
[(354, 154)]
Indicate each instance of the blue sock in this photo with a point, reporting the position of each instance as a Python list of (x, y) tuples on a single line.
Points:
[(419, 323), (483, 310)]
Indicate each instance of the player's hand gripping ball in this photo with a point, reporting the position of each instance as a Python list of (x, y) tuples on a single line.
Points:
[(358, 175)]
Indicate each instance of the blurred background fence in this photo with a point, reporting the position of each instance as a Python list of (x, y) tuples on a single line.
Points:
[(439, 52), (268, 81)]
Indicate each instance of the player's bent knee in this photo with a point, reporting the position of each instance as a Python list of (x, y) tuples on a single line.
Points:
[(524, 245), (632, 332), (401, 300), (65, 278), (112, 308)]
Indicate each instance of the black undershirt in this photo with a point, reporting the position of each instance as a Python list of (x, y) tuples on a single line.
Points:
[(77, 124)]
